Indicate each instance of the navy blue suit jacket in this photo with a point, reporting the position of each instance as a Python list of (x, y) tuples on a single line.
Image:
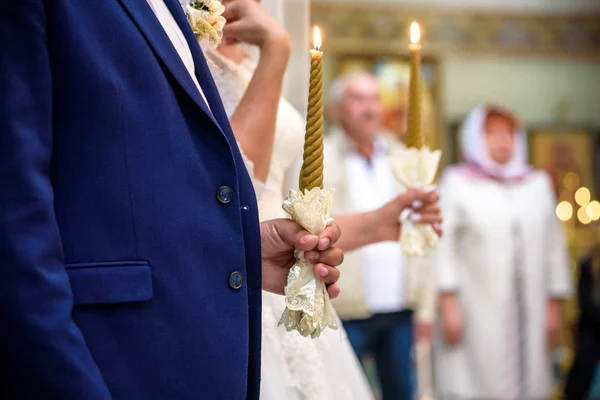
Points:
[(115, 253)]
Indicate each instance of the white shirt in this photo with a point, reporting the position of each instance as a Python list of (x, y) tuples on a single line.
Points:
[(372, 185), (177, 38)]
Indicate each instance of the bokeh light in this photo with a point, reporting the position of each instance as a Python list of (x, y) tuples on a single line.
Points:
[(564, 211), (583, 196), (593, 210), (582, 216)]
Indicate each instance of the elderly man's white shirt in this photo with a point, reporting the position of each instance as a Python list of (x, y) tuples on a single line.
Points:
[(371, 185)]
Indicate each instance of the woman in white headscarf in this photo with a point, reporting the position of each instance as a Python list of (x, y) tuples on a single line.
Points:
[(502, 267)]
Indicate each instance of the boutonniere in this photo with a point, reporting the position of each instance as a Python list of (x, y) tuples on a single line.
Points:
[(205, 19)]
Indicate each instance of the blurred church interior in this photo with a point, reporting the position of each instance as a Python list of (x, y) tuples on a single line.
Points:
[(539, 58)]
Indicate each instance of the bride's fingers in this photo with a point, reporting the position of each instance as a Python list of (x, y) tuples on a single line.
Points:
[(233, 10)]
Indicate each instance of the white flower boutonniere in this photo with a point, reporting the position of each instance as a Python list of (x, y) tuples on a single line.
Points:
[(205, 19)]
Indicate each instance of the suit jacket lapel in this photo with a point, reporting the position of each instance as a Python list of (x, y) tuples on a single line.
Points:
[(153, 31), (202, 71)]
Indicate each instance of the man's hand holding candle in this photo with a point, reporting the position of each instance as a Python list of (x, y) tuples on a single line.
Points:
[(278, 240)]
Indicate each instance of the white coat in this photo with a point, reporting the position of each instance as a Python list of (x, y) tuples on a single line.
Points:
[(493, 231)]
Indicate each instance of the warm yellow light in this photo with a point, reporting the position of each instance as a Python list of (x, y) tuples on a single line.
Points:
[(565, 195), (593, 210), (415, 33), (583, 217), (571, 180), (317, 42), (583, 196), (564, 211)]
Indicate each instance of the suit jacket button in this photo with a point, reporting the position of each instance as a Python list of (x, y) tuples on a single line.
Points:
[(225, 195), (236, 280)]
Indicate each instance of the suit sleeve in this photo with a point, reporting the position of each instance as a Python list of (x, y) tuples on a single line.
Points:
[(42, 350), (446, 259), (560, 284)]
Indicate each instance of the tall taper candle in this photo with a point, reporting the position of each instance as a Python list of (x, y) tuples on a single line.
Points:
[(311, 174), (414, 137)]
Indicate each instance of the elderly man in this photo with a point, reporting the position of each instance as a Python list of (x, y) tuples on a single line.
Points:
[(377, 300)]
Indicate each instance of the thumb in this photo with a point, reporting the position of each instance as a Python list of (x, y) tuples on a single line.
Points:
[(294, 235)]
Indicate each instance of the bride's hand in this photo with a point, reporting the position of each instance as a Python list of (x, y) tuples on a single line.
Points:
[(425, 208), (248, 22)]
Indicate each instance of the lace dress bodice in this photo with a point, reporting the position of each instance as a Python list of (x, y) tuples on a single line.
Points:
[(293, 367)]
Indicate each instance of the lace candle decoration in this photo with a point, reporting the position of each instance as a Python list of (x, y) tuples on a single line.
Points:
[(308, 307), (415, 166)]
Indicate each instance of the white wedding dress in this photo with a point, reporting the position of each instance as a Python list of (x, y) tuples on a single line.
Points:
[(293, 367)]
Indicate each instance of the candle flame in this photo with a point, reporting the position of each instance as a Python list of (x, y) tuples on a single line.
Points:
[(415, 33), (317, 42)]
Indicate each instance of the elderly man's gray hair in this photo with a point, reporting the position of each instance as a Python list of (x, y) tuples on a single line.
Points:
[(338, 86)]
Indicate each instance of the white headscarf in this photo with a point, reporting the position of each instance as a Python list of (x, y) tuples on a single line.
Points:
[(475, 149)]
